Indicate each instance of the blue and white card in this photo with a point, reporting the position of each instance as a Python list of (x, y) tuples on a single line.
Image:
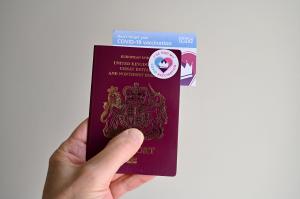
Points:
[(186, 42)]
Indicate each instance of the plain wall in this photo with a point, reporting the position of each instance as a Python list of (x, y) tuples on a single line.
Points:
[(239, 128)]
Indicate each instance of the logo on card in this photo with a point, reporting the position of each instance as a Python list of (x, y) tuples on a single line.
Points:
[(163, 64)]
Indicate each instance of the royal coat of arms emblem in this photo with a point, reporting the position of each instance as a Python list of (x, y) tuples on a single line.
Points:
[(136, 106)]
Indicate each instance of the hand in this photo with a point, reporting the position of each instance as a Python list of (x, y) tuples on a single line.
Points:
[(70, 176)]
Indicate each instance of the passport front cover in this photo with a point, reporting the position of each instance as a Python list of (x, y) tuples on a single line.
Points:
[(136, 88)]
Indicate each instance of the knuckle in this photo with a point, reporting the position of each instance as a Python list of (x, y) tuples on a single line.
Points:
[(54, 158)]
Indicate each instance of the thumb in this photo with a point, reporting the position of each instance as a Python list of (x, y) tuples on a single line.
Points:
[(118, 151)]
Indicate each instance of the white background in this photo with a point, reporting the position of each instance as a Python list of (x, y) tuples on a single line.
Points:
[(239, 128)]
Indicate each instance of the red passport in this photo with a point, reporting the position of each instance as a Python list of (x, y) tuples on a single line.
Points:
[(136, 88)]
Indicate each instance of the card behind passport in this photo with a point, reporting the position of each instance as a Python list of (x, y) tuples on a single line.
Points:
[(136, 88), (185, 42)]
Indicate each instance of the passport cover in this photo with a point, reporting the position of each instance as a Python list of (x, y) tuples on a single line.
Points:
[(125, 94)]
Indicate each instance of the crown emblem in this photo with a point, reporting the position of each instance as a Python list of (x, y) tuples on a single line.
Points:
[(186, 70)]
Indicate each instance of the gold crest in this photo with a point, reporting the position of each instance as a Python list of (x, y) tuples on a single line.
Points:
[(138, 107)]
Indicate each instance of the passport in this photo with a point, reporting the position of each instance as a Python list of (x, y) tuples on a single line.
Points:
[(136, 88)]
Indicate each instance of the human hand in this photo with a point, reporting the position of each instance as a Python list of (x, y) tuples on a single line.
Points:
[(70, 176)]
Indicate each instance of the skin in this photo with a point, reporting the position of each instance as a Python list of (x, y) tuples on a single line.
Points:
[(70, 176)]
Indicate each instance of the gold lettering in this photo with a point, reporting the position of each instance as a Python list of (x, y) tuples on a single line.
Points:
[(146, 150)]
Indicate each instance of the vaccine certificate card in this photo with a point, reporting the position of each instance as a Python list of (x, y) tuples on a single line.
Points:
[(185, 42)]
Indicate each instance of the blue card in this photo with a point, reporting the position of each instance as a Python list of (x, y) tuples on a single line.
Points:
[(185, 42)]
